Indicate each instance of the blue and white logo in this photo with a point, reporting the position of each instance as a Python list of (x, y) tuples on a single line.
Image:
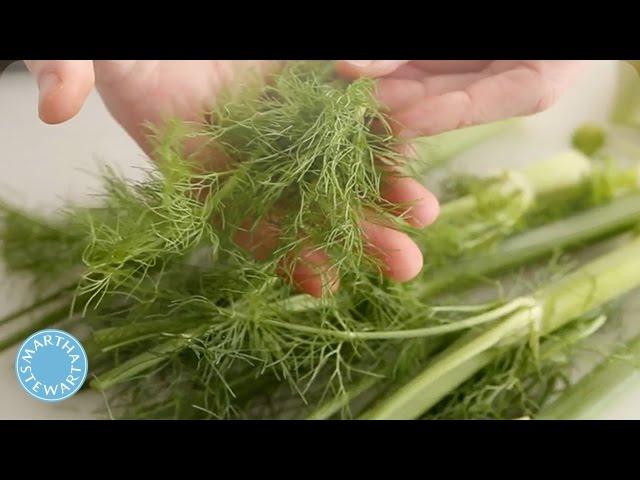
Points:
[(51, 365)]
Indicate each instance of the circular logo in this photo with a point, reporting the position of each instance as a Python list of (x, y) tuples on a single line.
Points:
[(51, 365)]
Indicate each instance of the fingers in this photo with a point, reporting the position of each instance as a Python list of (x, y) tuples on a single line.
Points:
[(368, 68), (400, 257), (412, 201), (310, 272), (114, 71), (451, 66), (433, 115), (313, 273), (401, 93), (260, 241), (64, 86), (524, 89)]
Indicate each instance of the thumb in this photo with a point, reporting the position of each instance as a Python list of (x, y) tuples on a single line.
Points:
[(369, 68), (64, 86)]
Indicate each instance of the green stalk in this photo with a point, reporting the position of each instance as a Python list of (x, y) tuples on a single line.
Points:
[(594, 284), (447, 370), (145, 361), (424, 332), (48, 320), (549, 348), (498, 207), (580, 229), (333, 406), (39, 303), (114, 337), (590, 395), (557, 173)]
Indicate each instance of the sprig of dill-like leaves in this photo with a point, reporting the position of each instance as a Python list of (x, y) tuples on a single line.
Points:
[(185, 323)]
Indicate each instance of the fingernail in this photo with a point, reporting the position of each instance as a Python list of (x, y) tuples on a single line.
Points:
[(360, 63), (47, 84)]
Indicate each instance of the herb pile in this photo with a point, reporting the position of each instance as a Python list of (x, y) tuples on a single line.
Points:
[(184, 323)]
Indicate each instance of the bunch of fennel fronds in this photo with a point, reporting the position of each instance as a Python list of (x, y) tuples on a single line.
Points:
[(185, 324)]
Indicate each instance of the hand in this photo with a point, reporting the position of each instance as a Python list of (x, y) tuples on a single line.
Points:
[(427, 97), (136, 92)]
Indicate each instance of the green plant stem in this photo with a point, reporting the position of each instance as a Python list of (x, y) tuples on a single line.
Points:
[(46, 321), (577, 230), (145, 361), (333, 406), (39, 303), (448, 370), (144, 330), (114, 337), (592, 285), (465, 324), (592, 393), (557, 173)]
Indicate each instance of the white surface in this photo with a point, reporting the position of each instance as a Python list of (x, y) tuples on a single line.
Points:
[(41, 166)]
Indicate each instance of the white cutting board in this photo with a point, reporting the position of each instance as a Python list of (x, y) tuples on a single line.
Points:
[(41, 166)]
